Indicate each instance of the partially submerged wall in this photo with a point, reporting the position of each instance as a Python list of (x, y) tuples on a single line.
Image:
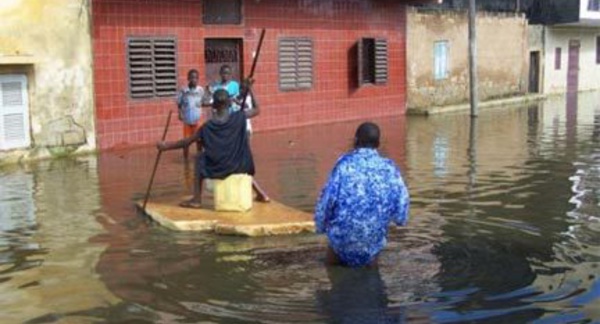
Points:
[(49, 42), (502, 56)]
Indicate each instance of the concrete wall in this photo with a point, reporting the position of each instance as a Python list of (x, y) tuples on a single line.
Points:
[(555, 81), (502, 49), (49, 41)]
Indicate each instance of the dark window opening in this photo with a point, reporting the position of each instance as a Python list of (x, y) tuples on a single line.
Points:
[(372, 61), (557, 58), (594, 5), (222, 12), (295, 63), (152, 64)]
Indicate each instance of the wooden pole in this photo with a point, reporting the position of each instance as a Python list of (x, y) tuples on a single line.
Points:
[(254, 62), (164, 137), (473, 86)]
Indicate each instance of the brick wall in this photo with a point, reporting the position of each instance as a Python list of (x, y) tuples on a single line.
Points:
[(335, 26)]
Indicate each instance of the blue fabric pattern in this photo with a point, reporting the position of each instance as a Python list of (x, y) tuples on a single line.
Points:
[(364, 193), (189, 102)]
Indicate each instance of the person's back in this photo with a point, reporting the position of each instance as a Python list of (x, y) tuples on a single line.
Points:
[(226, 147), (365, 192)]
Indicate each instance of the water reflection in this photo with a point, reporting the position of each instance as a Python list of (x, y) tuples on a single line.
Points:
[(356, 296), (504, 227)]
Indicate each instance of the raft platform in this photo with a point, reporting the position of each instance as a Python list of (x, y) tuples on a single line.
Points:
[(264, 219)]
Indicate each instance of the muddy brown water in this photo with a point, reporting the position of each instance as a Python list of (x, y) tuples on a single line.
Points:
[(504, 227)]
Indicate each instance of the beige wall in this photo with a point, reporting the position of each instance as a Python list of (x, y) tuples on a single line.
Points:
[(555, 81), (49, 41), (502, 49)]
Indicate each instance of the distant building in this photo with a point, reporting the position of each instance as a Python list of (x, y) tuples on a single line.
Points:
[(437, 53), (537, 46), (571, 40)]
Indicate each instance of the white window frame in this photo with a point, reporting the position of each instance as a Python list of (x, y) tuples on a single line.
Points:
[(23, 139), (440, 60)]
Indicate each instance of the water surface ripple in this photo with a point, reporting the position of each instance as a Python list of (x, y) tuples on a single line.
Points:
[(505, 226)]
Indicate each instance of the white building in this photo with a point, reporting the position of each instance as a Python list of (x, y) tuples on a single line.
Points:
[(571, 41)]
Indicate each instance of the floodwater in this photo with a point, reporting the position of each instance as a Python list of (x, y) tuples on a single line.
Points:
[(504, 227)]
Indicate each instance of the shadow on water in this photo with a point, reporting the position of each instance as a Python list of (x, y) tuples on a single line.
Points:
[(504, 227)]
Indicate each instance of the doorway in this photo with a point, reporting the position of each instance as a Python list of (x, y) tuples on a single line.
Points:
[(573, 68), (223, 51), (534, 72)]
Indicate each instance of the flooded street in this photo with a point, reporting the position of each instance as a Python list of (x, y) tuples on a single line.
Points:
[(505, 226)]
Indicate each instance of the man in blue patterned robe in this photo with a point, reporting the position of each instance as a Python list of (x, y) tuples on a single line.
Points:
[(364, 193)]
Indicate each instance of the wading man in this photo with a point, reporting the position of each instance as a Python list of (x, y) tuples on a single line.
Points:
[(364, 193)]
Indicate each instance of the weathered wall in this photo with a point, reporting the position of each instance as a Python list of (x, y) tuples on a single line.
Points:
[(49, 41), (502, 56), (555, 81)]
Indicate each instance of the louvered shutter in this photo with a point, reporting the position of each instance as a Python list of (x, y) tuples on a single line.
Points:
[(14, 112), (152, 67), (295, 63), (165, 67), (141, 78), (381, 61)]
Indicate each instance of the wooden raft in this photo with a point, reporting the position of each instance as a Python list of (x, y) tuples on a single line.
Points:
[(264, 219)]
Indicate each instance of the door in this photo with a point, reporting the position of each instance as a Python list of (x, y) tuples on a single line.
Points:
[(14, 112), (534, 72), (222, 51), (573, 69)]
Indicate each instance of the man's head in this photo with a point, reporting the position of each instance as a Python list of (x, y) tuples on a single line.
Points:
[(226, 73), (221, 99), (193, 78), (367, 135)]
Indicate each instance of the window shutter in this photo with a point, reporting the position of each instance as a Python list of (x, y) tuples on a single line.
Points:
[(152, 67), (165, 67), (360, 59), (141, 78), (305, 63), (381, 61), (14, 112), (295, 63)]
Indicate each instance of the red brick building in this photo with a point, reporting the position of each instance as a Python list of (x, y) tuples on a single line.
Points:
[(322, 61)]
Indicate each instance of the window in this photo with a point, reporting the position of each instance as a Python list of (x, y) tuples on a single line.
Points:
[(152, 66), (372, 61), (557, 58), (295, 63), (221, 12), (594, 5), (14, 112), (440, 61)]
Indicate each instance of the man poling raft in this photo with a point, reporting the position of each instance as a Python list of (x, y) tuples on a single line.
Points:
[(225, 147)]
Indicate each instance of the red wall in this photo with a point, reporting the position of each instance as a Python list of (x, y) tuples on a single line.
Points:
[(334, 26)]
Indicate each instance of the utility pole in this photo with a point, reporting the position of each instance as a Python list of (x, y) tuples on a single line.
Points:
[(473, 86)]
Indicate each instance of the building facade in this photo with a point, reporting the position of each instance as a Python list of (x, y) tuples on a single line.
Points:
[(437, 56), (46, 94), (322, 61), (571, 44)]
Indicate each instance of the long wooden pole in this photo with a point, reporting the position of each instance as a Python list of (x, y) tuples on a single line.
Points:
[(473, 87), (260, 42), (164, 137), (254, 62)]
